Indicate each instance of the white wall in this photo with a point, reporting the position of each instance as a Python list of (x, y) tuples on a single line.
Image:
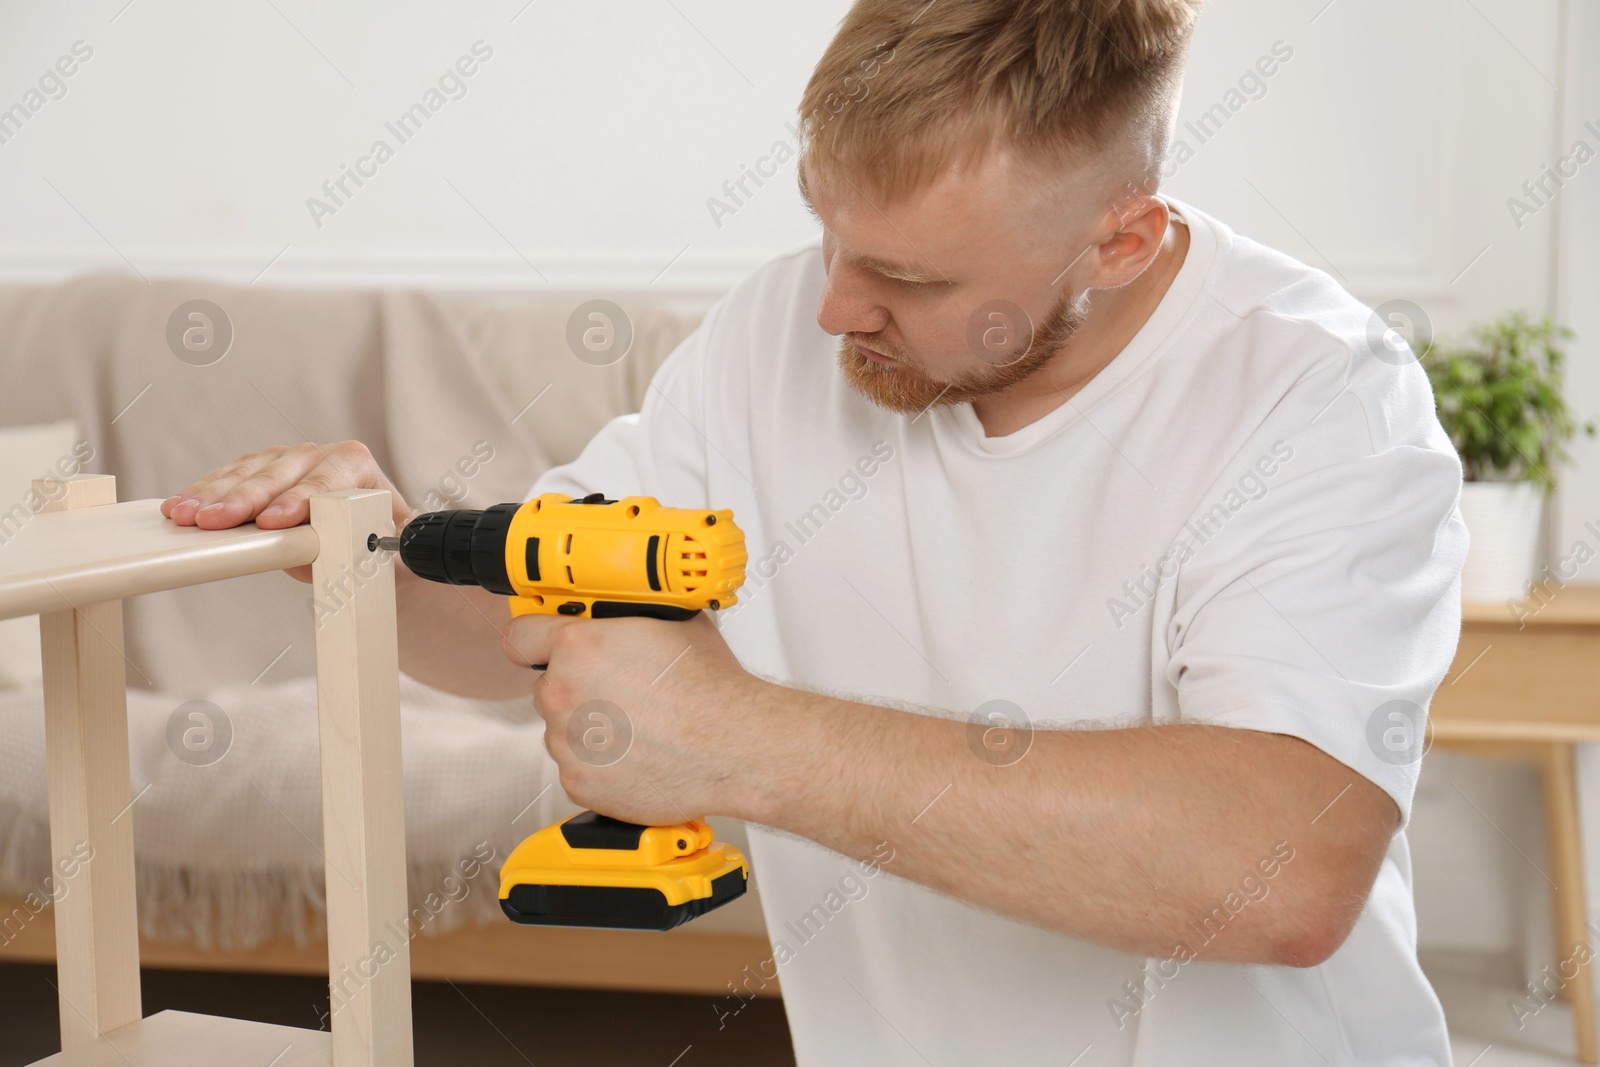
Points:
[(582, 156), (584, 149), (1578, 295)]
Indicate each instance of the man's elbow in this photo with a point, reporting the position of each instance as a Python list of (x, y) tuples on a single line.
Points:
[(1314, 928), (1333, 876), (1310, 946)]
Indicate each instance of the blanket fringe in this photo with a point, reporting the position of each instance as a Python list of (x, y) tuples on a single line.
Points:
[(241, 909)]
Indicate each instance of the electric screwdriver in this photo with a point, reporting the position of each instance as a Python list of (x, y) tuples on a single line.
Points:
[(599, 558)]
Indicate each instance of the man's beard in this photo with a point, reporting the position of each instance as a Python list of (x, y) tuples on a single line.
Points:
[(902, 387)]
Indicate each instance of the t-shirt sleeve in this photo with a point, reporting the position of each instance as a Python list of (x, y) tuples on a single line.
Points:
[(661, 450), (1328, 608)]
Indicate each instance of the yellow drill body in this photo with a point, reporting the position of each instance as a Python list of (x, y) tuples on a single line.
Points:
[(599, 558), (611, 558)]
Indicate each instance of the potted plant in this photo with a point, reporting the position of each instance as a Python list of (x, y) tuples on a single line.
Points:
[(1499, 395)]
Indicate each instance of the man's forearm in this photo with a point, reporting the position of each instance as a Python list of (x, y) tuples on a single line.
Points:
[(1131, 838), (450, 639)]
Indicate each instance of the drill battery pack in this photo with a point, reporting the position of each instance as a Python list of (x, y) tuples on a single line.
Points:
[(593, 870)]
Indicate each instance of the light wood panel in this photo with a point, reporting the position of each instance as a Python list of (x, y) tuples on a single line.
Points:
[(1570, 605), (120, 550), (1539, 683), (72, 563), (181, 1039), (91, 830), (363, 803)]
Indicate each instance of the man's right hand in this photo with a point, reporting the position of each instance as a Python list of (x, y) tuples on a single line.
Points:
[(274, 488)]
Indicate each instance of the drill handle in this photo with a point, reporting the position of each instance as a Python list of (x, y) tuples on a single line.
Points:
[(608, 609)]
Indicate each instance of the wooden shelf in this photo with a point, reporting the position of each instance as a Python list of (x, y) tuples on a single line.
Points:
[(66, 559), (181, 1039), (72, 564), (1575, 733)]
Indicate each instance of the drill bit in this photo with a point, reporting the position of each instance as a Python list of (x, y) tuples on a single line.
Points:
[(391, 544)]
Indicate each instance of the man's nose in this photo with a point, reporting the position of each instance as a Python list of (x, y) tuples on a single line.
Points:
[(849, 304)]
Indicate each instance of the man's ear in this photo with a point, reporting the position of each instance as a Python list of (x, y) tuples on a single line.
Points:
[(1132, 234)]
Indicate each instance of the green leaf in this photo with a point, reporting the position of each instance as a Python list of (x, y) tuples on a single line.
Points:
[(1499, 396)]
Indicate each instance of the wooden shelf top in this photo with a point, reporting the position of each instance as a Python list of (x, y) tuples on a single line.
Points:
[(1570, 605), (182, 1039), (64, 559)]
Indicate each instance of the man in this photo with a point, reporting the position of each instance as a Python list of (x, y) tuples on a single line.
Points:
[(1096, 558)]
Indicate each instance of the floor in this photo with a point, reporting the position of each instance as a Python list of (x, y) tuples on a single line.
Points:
[(1483, 1030), (486, 1026), (501, 1026)]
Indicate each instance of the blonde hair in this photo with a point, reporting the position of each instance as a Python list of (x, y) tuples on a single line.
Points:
[(908, 87)]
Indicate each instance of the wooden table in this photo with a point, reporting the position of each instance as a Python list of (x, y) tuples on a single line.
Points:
[(73, 564), (1525, 685)]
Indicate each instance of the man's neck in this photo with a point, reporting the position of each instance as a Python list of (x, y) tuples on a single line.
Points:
[(1114, 317)]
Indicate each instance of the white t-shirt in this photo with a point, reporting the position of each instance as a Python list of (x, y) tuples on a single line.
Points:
[(1247, 518)]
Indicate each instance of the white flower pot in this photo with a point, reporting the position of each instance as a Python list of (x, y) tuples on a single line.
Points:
[(1503, 521)]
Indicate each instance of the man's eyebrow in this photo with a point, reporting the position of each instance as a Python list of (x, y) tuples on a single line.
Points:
[(894, 270)]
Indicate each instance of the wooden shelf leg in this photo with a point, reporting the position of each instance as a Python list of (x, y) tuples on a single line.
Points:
[(1560, 783), (363, 819), (91, 821)]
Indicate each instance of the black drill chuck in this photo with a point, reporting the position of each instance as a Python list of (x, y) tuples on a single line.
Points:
[(461, 547)]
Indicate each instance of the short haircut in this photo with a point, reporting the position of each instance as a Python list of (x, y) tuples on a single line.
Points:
[(908, 87)]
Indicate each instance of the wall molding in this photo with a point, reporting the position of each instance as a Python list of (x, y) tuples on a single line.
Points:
[(567, 274), (312, 268)]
